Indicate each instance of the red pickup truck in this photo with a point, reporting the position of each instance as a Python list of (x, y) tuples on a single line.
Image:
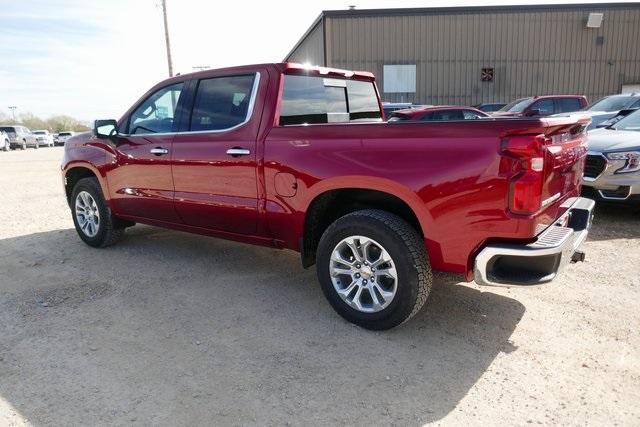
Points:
[(288, 156)]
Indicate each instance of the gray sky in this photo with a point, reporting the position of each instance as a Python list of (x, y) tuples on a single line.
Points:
[(93, 58)]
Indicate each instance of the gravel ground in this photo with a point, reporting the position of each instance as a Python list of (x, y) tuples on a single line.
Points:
[(171, 328)]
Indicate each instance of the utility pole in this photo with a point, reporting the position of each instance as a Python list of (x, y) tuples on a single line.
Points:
[(166, 36), (13, 111)]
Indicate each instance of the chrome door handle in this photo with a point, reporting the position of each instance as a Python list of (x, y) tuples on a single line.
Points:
[(158, 151), (237, 152)]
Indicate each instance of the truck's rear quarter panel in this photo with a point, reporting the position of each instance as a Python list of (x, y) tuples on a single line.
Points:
[(449, 174)]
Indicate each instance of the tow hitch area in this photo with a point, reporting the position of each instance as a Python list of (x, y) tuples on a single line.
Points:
[(578, 256), (511, 264)]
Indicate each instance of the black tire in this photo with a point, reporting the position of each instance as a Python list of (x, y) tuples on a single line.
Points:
[(406, 248), (7, 147), (24, 145), (37, 145), (108, 232)]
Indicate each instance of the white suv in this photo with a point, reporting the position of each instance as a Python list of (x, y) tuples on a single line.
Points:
[(44, 137), (63, 136)]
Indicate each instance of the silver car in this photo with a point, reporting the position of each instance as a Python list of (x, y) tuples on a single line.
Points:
[(612, 169), (44, 137)]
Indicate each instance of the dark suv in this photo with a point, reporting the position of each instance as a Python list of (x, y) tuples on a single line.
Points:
[(539, 106)]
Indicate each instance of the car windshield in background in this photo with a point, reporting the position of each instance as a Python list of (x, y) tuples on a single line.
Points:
[(39, 132), (64, 134), (614, 103), (8, 129), (631, 122), (517, 106)]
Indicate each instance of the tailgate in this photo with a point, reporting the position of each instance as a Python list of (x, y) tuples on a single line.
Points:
[(564, 159)]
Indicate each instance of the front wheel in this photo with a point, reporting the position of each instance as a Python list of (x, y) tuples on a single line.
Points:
[(91, 215), (37, 145), (374, 269), (24, 145), (7, 146)]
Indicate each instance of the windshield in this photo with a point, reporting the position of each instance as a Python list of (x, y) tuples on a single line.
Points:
[(631, 122), (517, 106), (613, 103), (39, 132), (64, 134)]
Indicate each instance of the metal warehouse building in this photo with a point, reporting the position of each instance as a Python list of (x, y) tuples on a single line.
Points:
[(469, 55)]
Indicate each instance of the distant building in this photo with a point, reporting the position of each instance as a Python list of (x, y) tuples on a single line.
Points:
[(469, 55)]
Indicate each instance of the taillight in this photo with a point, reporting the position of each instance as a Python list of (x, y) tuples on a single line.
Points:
[(525, 156)]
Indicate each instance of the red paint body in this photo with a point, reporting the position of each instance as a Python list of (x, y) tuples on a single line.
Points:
[(451, 174)]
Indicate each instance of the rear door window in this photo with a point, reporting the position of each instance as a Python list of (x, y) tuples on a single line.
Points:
[(307, 100), (222, 102), (566, 105)]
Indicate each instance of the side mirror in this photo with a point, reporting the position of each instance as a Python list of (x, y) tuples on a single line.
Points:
[(105, 129), (532, 113)]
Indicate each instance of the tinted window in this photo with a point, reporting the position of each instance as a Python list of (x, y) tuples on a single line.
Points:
[(157, 113), (517, 106), (8, 129), (325, 100), (444, 115), (544, 106), (471, 115), (64, 134), (566, 105), (221, 102)]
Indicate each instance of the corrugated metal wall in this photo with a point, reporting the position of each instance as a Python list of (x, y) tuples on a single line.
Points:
[(532, 52), (311, 49)]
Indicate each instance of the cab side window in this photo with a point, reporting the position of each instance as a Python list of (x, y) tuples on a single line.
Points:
[(566, 105), (544, 106), (157, 113), (221, 102)]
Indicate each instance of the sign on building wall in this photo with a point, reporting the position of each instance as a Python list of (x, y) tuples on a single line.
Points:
[(399, 78)]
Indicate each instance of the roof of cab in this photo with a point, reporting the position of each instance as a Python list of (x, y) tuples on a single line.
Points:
[(283, 67)]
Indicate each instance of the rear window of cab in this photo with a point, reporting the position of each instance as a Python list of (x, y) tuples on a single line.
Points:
[(313, 100)]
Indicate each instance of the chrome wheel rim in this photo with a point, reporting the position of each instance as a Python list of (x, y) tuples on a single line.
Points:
[(363, 274), (87, 214)]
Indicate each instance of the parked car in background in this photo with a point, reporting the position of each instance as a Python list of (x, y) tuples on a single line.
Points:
[(612, 168), (390, 107), (490, 107), (63, 136), (5, 145), (437, 113), (609, 107), (44, 137), (540, 106), (20, 136), (619, 116), (284, 156), (55, 139)]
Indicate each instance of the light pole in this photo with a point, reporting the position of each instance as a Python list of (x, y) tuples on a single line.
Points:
[(166, 36), (13, 109)]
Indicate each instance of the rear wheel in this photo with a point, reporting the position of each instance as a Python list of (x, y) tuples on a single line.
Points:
[(373, 269), (91, 215), (24, 145)]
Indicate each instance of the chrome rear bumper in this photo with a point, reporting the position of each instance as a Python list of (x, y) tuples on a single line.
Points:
[(510, 264)]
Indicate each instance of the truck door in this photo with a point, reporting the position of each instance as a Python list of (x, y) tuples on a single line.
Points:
[(214, 160), (141, 185)]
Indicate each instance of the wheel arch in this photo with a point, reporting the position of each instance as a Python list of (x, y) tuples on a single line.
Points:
[(77, 171), (331, 200)]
